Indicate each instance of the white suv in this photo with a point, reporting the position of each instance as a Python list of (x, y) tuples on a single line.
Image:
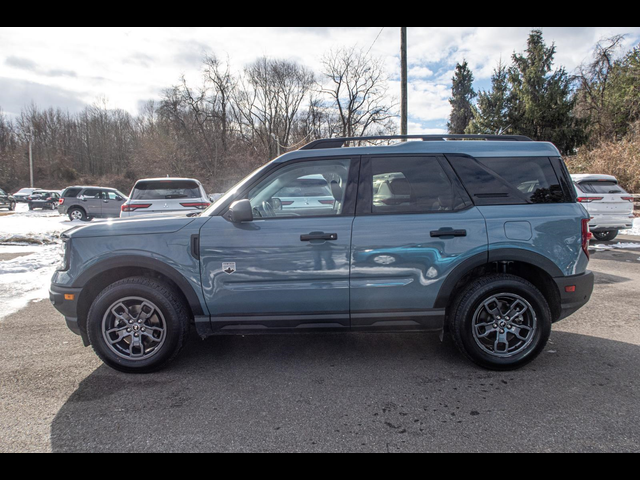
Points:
[(165, 196), (610, 207)]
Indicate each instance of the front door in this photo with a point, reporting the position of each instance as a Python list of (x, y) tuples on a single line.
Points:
[(288, 269), (414, 226)]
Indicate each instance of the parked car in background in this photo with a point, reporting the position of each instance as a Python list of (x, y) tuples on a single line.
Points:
[(23, 195), (610, 207), (164, 196), (312, 191), (7, 201), (44, 199), (87, 203)]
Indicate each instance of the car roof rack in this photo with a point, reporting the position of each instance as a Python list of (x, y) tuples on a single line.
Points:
[(330, 143)]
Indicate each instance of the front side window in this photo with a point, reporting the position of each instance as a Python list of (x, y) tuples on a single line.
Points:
[(302, 189), (412, 185)]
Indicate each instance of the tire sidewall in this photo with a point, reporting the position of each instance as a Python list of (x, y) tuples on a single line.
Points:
[(474, 299), (172, 316), (82, 219)]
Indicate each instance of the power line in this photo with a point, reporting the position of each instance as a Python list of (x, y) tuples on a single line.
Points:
[(375, 41)]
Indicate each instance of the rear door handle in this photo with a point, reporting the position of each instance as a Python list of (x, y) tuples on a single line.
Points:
[(319, 236), (448, 233)]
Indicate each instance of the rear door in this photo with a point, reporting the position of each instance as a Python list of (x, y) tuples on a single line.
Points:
[(91, 200), (415, 225)]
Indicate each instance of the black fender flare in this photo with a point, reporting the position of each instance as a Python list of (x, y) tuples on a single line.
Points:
[(502, 255), (128, 261)]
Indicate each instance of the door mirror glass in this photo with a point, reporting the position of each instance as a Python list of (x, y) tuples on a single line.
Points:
[(240, 212)]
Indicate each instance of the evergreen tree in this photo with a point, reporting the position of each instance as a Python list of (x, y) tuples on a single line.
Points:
[(461, 101), (542, 100), (491, 114)]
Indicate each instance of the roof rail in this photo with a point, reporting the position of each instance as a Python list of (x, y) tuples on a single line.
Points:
[(330, 143)]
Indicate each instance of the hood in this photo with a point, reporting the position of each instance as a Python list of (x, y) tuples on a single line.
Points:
[(134, 226)]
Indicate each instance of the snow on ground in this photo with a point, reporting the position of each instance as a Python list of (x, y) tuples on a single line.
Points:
[(36, 237), (635, 231)]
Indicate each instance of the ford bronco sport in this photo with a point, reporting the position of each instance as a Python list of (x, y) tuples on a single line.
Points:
[(478, 237)]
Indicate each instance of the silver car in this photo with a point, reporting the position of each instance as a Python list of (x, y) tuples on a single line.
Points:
[(166, 196), (87, 203)]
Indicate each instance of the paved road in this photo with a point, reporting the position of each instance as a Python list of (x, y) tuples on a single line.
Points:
[(369, 393)]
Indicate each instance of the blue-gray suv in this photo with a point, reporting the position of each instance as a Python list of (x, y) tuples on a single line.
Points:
[(478, 237)]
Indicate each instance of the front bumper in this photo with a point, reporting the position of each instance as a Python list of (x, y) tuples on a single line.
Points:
[(65, 300), (575, 293)]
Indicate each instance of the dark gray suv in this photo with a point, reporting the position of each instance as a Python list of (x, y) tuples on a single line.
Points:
[(87, 203)]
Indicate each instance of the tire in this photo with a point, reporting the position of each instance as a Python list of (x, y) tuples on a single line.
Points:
[(606, 236), (485, 332), (76, 214), (130, 345)]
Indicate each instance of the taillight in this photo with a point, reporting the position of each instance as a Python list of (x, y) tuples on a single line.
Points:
[(200, 206), (327, 202), (133, 208), (586, 236), (61, 201), (629, 199), (590, 199)]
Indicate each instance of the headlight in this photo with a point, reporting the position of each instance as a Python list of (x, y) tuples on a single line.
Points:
[(63, 266)]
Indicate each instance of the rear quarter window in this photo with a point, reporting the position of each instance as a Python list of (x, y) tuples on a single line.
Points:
[(71, 192), (510, 181)]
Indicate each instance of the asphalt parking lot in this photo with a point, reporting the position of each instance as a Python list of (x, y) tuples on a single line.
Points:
[(330, 393)]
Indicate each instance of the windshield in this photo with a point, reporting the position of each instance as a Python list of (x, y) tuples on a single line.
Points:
[(231, 193), (166, 190)]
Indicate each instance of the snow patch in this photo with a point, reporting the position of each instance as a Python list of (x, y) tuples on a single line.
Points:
[(635, 231)]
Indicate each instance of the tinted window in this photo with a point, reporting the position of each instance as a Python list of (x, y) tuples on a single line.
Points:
[(92, 193), (601, 187), (166, 190), (71, 192), (2, 192), (509, 181), (412, 185)]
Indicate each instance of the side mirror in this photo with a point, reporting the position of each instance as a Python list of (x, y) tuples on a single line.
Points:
[(240, 212)]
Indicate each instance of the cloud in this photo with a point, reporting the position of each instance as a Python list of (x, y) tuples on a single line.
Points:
[(17, 94), (31, 66)]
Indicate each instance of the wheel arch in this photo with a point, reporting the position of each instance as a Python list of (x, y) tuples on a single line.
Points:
[(100, 276), (533, 267)]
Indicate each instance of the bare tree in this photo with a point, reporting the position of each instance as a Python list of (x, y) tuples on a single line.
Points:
[(269, 101), (357, 87)]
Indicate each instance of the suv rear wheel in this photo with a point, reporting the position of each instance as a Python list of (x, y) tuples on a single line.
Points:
[(606, 236), (77, 214), (138, 325), (501, 322)]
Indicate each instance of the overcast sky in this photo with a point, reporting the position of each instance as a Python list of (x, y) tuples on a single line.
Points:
[(71, 67)]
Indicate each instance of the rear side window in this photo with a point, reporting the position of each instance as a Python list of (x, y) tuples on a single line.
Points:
[(510, 181), (601, 187), (166, 190), (71, 192), (412, 185)]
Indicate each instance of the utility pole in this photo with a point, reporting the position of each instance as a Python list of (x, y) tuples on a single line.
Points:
[(31, 155), (404, 121)]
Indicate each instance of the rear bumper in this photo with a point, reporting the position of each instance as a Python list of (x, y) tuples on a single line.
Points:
[(606, 223), (575, 293)]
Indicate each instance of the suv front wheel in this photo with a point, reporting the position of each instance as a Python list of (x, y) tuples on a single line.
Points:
[(138, 325), (501, 322)]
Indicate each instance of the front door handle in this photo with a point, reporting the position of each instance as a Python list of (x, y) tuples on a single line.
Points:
[(319, 236), (448, 232)]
